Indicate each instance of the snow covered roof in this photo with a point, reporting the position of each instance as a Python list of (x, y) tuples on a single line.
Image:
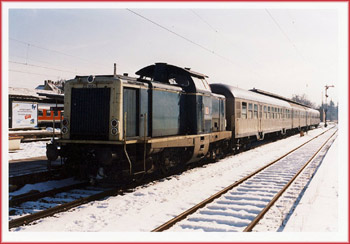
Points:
[(31, 93), (16, 91), (247, 95)]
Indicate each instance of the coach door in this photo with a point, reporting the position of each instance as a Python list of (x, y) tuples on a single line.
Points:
[(260, 126)]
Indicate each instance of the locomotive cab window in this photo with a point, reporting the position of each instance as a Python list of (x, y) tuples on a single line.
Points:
[(180, 80), (244, 110), (202, 84)]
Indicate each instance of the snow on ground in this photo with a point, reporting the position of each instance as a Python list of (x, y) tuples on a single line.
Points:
[(153, 204), (29, 150), (320, 193)]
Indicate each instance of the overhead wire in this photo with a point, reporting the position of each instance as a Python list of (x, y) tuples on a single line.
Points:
[(223, 36), (36, 61), (206, 22), (52, 50), (32, 73), (285, 34), (188, 40), (39, 66)]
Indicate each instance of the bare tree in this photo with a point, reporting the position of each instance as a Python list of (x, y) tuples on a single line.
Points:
[(303, 100)]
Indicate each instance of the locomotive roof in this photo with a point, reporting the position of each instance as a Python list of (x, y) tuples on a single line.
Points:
[(277, 96), (148, 71), (230, 91)]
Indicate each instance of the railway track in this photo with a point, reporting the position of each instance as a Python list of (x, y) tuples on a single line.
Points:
[(240, 206), (37, 205), (32, 207), (32, 214), (32, 178)]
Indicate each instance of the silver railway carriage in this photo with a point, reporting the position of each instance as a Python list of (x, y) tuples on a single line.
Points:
[(252, 116)]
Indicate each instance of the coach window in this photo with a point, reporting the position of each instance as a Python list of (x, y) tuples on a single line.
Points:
[(269, 111), (255, 111), (276, 111), (273, 112), (250, 111), (244, 110), (40, 113), (265, 112), (48, 113)]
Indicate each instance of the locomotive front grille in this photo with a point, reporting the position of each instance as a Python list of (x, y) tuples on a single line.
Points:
[(90, 113)]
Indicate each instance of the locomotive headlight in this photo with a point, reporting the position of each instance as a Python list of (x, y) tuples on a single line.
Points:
[(114, 123), (114, 131), (90, 79), (64, 130), (65, 122)]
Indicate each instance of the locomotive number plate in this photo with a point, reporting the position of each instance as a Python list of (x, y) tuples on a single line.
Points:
[(91, 85)]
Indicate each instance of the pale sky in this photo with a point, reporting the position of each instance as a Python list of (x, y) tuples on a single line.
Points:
[(283, 49)]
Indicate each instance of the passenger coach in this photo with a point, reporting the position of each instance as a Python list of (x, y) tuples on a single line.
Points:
[(252, 116)]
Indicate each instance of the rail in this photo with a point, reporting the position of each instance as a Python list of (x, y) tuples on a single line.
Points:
[(202, 204)]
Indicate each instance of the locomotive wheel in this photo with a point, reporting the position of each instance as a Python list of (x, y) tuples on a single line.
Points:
[(165, 166)]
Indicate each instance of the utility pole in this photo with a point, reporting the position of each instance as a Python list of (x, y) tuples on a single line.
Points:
[(325, 120)]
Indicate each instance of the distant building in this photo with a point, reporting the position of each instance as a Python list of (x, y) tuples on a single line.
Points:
[(25, 103), (55, 86)]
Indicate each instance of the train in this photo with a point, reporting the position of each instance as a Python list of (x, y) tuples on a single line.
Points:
[(168, 117), (48, 117)]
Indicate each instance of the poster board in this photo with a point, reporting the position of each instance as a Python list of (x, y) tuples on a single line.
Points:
[(24, 114)]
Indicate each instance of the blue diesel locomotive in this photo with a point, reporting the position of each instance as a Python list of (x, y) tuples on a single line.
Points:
[(119, 124)]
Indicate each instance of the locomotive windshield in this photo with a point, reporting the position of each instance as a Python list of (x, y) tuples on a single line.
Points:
[(201, 84)]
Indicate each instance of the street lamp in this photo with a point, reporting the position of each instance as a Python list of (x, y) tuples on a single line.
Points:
[(325, 120)]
